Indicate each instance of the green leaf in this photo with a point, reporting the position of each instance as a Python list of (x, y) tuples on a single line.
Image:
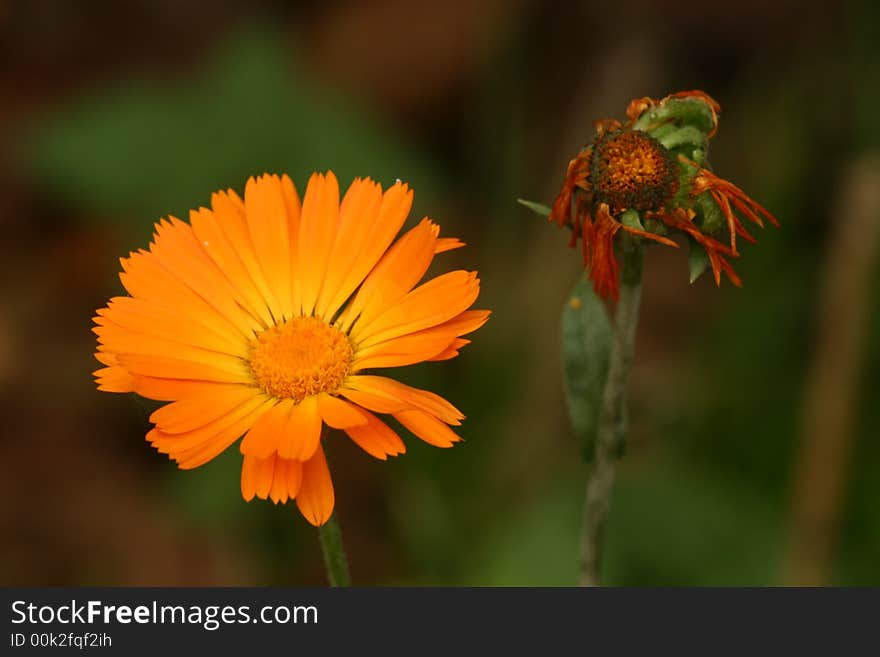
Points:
[(698, 261), (586, 348), (537, 208)]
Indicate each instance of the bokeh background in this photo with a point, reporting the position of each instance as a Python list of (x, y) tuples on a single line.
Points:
[(754, 456)]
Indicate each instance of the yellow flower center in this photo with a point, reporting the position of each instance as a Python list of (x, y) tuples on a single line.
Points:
[(631, 170), (302, 357)]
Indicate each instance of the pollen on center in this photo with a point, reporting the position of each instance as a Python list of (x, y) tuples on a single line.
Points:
[(632, 170), (302, 357)]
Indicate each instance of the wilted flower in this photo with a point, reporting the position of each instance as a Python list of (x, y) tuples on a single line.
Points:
[(648, 177)]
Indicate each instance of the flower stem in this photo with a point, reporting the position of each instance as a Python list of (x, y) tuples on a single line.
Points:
[(611, 433), (334, 553)]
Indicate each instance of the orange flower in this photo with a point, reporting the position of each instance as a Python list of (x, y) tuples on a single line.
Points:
[(650, 170), (261, 317)]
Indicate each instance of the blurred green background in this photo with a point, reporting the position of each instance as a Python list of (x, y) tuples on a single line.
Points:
[(753, 457)]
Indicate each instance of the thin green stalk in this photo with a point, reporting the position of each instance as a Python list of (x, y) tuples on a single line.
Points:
[(611, 433), (335, 559), (334, 553)]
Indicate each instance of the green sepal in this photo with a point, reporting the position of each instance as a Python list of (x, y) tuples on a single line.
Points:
[(686, 176), (586, 350), (627, 242), (687, 172), (698, 260), (537, 208), (655, 226), (682, 197), (686, 136), (662, 131), (712, 219), (630, 218), (683, 111), (688, 141)]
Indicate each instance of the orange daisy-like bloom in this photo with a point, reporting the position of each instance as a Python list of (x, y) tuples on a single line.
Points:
[(260, 318), (647, 177)]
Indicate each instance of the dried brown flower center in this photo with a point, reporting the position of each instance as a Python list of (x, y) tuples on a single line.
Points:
[(631, 170), (301, 357)]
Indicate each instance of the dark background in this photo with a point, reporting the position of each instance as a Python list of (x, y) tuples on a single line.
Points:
[(753, 456)]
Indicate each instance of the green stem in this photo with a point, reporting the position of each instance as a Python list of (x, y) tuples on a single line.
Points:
[(611, 433), (334, 553)]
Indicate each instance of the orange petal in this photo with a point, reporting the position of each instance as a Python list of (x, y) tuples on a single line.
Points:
[(114, 379), (340, 414), (231, 216), (140, 316), (463, 323), (117, 340), (429, 305), (638, 106), (598, 250), (207, 229), (302, 433), (176, 368), (377, 403), (428, 344), (194, 448), (650, 236), (315, 498), (268, 224), (267, 433), (179, 251), (412, 397), (444, 244), (256, 476), (715, 250), (402, 266), (371, 241), (278, 490), (294, 477), (575, 176), (174, 443), (106, 358), (293, 207), (428, 428), (272, 477), (452, 350), (190, 413), (145, 278), (172, 389), (253, 475), (357, 214), (376, 438), (400, 351), (317, 231)]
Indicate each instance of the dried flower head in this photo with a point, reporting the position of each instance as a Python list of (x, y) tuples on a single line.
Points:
[(648, 177)]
